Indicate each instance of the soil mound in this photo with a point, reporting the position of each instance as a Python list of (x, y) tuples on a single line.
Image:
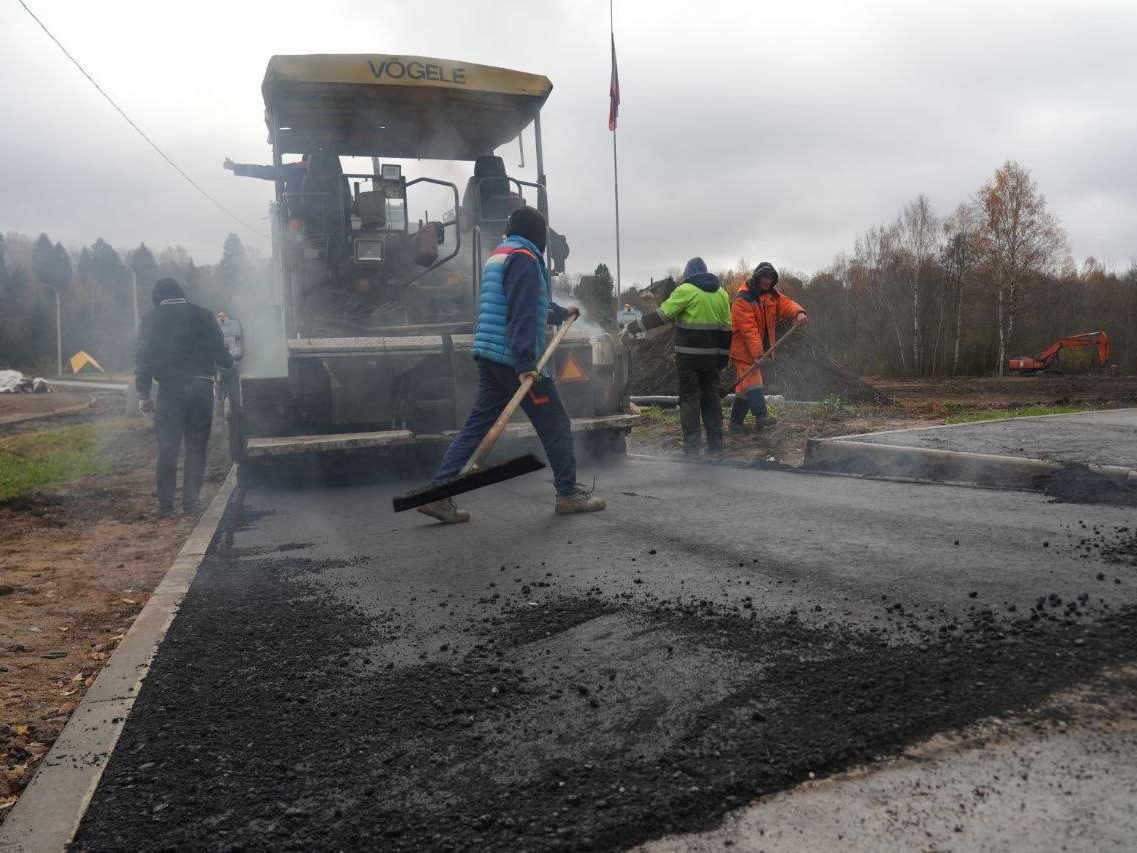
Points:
[(800, 370)]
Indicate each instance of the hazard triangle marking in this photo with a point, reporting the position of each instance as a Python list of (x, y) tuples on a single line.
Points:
[(571, 370)]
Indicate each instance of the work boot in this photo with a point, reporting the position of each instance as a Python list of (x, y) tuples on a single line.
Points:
[(191, 507), (578, 501), (445, 511), (764, 421), (165, 511), (737, 428)]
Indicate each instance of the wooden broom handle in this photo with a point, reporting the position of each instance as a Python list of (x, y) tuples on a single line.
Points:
[(766, 354), (492, 436)]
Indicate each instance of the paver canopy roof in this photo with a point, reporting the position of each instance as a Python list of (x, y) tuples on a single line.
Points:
[(376, 105)]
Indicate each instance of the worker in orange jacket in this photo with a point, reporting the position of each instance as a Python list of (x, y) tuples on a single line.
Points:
[(754, 315)]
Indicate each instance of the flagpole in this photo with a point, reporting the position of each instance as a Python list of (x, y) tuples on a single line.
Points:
[(615, 167)]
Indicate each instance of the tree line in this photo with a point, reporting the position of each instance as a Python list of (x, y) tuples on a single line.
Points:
[(934, 295), (96, 285)]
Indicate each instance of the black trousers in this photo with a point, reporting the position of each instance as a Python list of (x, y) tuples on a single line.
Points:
[(699, 401), (184, 410)]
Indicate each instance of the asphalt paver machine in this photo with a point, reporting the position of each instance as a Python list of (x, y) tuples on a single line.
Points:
[(366, 345)]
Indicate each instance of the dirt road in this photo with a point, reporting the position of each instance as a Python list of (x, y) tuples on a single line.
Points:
[(345, 677), (77, 563)]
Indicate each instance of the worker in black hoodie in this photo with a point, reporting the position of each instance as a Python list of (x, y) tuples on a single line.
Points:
[(181, 346)]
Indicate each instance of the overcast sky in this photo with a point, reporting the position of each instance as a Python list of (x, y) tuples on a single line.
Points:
[(766, 130)]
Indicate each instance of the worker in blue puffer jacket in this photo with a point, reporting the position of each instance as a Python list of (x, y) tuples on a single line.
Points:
[(515, 309)]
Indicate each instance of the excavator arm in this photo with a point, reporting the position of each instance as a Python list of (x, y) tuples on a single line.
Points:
[(1047, 359)]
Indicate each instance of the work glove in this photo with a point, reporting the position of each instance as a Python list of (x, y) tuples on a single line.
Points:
[(146, 406), (801, 319), (572, 311), (634, 327), (528, 374)]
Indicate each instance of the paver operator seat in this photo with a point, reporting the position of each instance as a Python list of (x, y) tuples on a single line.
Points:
[(487, 196)]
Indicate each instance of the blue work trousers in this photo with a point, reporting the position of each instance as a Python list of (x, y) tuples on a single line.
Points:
[(754, 400), (496, 384)]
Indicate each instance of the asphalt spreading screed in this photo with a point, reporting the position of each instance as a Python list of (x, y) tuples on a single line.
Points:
[(584, 722)]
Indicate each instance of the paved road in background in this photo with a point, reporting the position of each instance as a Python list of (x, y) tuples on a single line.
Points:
[(342, 676), (1100, 438)]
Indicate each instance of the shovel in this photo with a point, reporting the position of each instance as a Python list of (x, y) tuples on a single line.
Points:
[(473, 475), (758, 362)]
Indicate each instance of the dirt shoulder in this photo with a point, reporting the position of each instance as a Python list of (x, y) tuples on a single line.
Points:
[(77, 563), (16, 408), (918, 402)]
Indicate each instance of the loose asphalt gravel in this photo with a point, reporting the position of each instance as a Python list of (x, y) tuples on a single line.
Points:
[(342, 677)]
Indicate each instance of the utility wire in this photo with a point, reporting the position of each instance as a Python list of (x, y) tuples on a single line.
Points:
[(139, 130)]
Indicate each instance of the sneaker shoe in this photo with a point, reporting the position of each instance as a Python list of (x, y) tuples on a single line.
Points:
[(578, 502), (445, 511), (765, 421)]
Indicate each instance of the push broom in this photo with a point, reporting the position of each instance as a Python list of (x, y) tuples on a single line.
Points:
[(758, 361), (474, 474)]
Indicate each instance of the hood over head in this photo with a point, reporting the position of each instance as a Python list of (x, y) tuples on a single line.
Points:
[(696, 273), (764, 268), (166, 288)]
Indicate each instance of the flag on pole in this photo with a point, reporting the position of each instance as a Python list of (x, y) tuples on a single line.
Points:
[(613, 91)]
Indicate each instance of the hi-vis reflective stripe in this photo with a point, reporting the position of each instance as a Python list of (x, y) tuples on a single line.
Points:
[(571, 370), (702, 327)]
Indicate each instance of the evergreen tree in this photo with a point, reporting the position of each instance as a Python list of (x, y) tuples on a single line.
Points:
[(51, 265), (112, 320), (597, 296), (230, 271), (145, 268)]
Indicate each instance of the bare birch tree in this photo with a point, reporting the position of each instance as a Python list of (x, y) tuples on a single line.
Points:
[(1019, 237), (917, 235), (874, 260), (959, 258)]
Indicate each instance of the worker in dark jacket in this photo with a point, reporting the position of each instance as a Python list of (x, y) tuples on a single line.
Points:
[(317, 164), (181, 346), (514, 311), (700, 310)]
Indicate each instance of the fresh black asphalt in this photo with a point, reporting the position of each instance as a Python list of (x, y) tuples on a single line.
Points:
[(341, 677)]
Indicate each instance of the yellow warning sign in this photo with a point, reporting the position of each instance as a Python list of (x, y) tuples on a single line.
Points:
[(571, 370), (81, 359)]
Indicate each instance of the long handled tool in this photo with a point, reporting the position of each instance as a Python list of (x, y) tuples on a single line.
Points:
[(758, 361), (473, 475)]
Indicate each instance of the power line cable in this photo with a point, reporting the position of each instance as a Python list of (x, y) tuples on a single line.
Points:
[(139, 130)]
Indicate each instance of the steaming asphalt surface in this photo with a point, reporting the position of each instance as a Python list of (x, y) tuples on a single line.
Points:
[(343, 677)]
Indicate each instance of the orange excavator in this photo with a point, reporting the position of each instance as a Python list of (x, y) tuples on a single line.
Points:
[(1047, 360)]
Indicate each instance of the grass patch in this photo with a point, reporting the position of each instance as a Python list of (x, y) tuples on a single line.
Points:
[(829, 409), (1018, 412), (55, 456)]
